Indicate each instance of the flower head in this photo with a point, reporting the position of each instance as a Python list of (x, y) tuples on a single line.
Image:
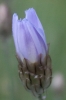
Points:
[(29, 36), (32, 52)]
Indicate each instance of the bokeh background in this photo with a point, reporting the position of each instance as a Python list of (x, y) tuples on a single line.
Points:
[(52, 14)]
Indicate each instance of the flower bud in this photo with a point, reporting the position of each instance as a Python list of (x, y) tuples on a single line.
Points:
[(32, 52)]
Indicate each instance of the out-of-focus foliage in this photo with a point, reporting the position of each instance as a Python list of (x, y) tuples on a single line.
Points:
[(52, 14)]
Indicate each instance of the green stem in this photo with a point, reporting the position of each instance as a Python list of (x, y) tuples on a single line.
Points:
[(41, 97)]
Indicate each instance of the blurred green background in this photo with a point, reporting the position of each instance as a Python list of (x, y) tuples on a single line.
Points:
[(52, 14)]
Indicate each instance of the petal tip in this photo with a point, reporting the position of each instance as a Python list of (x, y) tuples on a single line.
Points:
[(29, 10), (15, 16)]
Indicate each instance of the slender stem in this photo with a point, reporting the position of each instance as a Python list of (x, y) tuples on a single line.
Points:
[(40, 97)]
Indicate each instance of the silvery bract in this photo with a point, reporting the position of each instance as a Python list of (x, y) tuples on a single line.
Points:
[(32, 52)]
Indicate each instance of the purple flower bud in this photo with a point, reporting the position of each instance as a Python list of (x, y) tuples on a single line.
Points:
[(32, 52), (29, 36)]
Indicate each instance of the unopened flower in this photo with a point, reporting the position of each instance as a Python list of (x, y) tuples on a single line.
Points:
[(32, 52)]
